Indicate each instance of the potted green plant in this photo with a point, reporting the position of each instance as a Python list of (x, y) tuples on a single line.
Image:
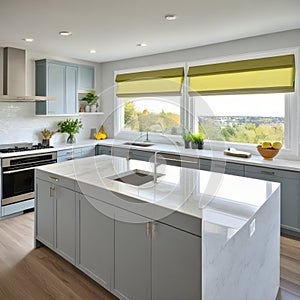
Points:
[(187, 137), (197, 140), (71, 127), (92, 102)]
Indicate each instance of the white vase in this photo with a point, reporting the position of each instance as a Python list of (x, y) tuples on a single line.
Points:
[(93, 108), (87, 108)]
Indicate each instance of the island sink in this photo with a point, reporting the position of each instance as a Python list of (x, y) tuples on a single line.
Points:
[(140, 144), (135, 177)]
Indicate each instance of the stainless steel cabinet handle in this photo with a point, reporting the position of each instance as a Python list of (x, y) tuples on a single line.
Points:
[(267, 172), (153, 230), (178, 160), (53, 178), (74, 157), (52, 191), (147, 229)]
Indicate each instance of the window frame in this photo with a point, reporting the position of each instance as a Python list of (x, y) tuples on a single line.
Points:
[(119, 109), (292, 122)]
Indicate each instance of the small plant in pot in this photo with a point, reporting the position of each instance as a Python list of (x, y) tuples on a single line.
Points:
[(197, 140), (187, 137), (92, 102), (71, 127)]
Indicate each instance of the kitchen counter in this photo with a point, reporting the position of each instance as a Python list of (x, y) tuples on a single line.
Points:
[(56, 147), (239, 217), (255, 160)]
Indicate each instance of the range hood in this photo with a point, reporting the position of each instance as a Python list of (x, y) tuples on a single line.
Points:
[(14, 77)]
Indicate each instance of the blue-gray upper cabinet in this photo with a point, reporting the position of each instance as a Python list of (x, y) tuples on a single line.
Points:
[(59, 80), (86, 77)]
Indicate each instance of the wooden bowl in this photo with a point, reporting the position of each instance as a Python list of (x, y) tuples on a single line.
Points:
[(267, 154)]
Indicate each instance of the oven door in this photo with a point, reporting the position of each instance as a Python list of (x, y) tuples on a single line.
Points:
[(17, 185)]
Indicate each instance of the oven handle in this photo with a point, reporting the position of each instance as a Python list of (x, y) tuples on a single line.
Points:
[(16, 171)]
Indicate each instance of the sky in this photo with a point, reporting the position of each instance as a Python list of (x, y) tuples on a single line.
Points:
[(268, 105)]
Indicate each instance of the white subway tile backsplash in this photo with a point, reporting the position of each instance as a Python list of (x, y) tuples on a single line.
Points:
[(18, 123)]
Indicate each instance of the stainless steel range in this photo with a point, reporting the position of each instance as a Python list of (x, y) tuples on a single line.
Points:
[(17, 172)]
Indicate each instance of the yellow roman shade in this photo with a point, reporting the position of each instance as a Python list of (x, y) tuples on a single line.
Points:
[(262, 75), (162, 82)]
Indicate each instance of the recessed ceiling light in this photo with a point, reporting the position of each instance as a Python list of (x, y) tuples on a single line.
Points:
[(65, 33), (92, 51), (28, 40), (142, 45), (170, 17)]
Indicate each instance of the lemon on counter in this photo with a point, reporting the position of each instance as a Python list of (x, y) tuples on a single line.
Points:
[(277, 145)]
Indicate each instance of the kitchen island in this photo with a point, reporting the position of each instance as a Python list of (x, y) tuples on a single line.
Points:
[(191, 235)]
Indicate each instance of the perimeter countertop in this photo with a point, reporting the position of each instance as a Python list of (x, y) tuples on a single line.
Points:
[(255, 160)]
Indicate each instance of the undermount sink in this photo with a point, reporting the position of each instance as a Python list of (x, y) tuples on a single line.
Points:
[(140, 144), (135, 177)]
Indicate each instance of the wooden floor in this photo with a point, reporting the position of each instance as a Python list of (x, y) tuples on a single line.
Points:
[(28, 273)]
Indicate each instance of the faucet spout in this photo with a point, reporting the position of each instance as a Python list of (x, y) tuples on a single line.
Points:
[(156, 164)]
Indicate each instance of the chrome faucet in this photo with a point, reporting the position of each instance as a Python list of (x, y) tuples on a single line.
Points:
[(156, 164), (147, 137)]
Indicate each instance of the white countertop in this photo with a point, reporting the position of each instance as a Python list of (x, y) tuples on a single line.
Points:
[(56, 147), (255, 160), (225, 200)]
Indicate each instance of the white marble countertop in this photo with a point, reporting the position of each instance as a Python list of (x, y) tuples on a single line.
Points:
[(225, 200), (56, 147), (255, 160)]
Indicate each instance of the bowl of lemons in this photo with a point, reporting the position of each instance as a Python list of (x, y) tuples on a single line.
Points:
[(269, 150)]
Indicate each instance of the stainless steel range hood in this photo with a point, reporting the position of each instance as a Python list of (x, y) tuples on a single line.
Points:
[(14, 77)]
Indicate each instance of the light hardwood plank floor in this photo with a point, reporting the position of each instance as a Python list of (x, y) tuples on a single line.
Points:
[(28, 273)]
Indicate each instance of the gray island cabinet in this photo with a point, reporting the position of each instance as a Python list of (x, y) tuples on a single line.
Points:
[(187, 236)]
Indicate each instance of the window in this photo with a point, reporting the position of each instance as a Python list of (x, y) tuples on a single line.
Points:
[(152, 114), (246, 102), (245, 118)]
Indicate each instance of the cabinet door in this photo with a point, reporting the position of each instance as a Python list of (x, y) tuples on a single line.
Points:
[(100, 149), (132, 257), (96, 230), (65, 222), (290, 192), (69, 154), (176, 264), (56, 88), (88, 151), (141, 155), (222, 167), (86, 78), (45, 195), (178, 160), (71, 102)]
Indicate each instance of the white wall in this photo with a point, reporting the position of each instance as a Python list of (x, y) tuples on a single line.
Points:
[(259, 44), (18, 122)]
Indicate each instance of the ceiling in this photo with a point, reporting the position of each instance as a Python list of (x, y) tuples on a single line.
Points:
[(114, 27)]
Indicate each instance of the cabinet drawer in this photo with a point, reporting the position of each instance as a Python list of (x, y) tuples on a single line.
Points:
[(103, 150), (140, 155), (88, 151), (178, 160), (120, 152), (263, 172), (57, 180), (69, 152), (222, 167)]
